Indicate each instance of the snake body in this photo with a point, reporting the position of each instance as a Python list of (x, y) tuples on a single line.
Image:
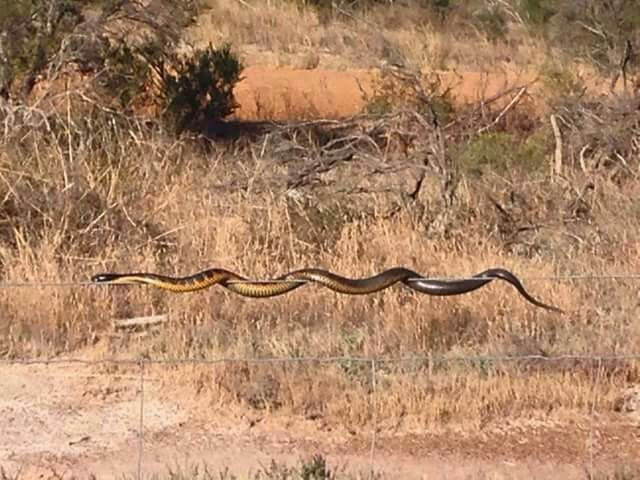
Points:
[(337, 283)]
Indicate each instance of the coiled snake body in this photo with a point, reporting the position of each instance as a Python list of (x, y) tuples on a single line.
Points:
[(292, 280)]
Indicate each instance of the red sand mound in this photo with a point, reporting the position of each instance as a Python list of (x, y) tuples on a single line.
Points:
[(286, 93)]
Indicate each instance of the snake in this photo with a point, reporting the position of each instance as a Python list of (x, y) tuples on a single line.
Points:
[(337, 283)]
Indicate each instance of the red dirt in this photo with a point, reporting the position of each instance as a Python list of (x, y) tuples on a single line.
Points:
[(268, 93), (287, 93), (279, 94)]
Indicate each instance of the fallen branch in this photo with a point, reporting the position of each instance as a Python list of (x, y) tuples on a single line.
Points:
[(581, 160), (497, 96), (506, 109)]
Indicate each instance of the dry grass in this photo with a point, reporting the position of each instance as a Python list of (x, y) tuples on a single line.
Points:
[(85, 198), (280, 33), (135, 200)]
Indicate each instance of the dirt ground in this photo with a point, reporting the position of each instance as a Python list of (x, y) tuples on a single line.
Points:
[(288, 93), (78, 420)]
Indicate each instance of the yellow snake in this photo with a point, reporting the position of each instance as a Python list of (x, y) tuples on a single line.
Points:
[(292, 280)]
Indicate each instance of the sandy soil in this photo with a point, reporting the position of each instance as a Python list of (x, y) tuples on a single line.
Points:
[(284, 93), (78, 420), (287, 93)]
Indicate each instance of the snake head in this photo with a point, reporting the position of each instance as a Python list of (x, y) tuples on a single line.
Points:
[(106, 278)]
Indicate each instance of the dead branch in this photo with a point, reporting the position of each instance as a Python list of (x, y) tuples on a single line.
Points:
[(508, 91), (581, 159), (511, 104)]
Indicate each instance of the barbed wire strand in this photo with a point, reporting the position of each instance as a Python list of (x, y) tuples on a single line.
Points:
[(372, 361), (330, 359), (577, 276), (46, 284)]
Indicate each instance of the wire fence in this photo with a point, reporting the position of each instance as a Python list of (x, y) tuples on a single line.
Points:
[(592, 276), (374, 363)]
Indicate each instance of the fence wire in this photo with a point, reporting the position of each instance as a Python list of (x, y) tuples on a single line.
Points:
[(559, 277), (377, 361), (372, 362)]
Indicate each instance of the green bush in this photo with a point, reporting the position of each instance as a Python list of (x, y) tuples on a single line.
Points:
[(130, 46), (536, 12), (492, 22), (395, 91), (31, 33), (592, 30), (563, 86), (502, 152), (125, 76), (315, 469), (40, 37), (200, 87), (327, 11)]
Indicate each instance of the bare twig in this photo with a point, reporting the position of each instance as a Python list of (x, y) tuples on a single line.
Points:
[(374, 418), (141, 421), (506, 109), (581, 159), (508, 91), (628, 53), (594, 30), (249, 6)]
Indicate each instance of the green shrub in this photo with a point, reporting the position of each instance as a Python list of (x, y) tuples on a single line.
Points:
[(200, 87), (327, 11), (315, 469), (562, 85), (126, 74), (595, 31), (131, 45), (394, 91), (502, 152), (31, 33), (438, 3), (536, 12), (492, 22), (87, 35)]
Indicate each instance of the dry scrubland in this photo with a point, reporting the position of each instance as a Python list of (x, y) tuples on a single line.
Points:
[(184, 209), (280, 33), (97, 194)]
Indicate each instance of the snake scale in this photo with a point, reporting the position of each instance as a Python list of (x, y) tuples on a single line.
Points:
[(293, 280)]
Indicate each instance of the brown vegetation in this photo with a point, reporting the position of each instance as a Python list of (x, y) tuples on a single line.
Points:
[(84, 190), (262, 209)]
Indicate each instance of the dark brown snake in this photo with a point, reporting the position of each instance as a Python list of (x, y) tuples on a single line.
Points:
[(292, 280)]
